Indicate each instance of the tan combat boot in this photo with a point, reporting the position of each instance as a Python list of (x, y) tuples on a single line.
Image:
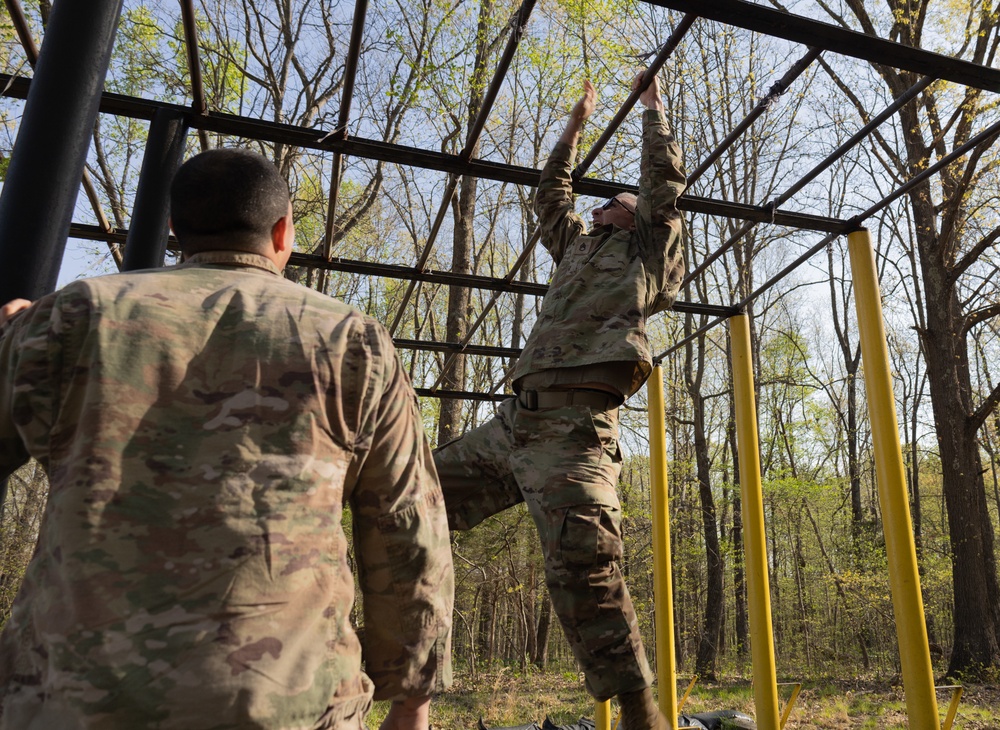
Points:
[(639, 711)]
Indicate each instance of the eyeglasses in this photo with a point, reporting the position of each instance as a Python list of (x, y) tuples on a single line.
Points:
[(612, 201)]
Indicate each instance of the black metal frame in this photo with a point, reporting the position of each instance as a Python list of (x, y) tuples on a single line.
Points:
[(149, 229), (818, 36), (47, 163)]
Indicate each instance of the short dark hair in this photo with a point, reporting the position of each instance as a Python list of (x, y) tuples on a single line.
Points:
[(226, 199)]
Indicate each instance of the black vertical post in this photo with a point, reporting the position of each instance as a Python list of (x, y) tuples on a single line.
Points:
[(146, 244), (46, 165)]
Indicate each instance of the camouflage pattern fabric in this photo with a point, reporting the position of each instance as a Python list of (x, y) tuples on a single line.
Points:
[(203, 428), (564, 463), (608, 282)]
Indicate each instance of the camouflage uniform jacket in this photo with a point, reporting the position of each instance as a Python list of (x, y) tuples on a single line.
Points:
[(203, 427), (608, 282)]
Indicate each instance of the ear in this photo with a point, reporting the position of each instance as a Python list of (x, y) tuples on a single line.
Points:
[(283, 238), (182, 251), (170, 225)]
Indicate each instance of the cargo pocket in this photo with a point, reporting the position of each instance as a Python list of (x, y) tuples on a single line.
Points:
[(591, 533)]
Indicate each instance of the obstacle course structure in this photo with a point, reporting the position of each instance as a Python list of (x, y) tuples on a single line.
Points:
[(65, 94)]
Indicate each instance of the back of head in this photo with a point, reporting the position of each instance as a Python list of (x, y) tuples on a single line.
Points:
[(226, 199)]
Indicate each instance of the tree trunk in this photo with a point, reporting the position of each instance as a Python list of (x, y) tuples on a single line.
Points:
[(742, 624), (541, 658), (853, 467), (459, 299), (974, 576), (939, 231), (464, 210), (800, 587), (708, 647), (915, 507)]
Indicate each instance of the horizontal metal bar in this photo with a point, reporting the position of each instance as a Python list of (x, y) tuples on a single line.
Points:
[(426, 345), (473, 281), (712, 310), (654, 68), (837, 154), (657, 359), (88, 232), (308, 138), (780, 87), (462, 395), (757, 213), (407, 273), (517, 24), (752, 296), (986, 137), (833, 38)]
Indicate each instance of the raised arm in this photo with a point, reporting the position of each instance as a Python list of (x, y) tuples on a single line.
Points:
[(581, 112), (650, 98), (554, 199), (661, 182), (29, 346)]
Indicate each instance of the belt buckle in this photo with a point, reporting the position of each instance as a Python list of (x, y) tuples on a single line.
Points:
[(529, 399)]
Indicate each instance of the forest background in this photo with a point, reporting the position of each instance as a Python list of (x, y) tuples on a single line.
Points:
[(423, 69)]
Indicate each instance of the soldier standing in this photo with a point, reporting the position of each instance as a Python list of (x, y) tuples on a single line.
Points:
[(555, 446), (203, 427)]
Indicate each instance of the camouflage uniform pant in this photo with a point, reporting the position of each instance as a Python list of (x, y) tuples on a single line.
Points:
[(564, 463)]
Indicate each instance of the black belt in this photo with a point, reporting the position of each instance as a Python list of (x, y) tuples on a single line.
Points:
[(532, 400)]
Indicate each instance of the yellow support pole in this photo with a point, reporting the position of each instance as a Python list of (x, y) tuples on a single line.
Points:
[(687, 693), (602, 715), (663, 591), (904, 579), (956, 696), (796, 688), (765, 680)]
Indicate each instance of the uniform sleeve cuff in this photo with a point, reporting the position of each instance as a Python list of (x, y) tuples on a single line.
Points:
[(564, 151)]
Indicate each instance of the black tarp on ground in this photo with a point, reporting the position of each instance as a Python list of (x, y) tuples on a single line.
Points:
[(584, 723), (721, 720)]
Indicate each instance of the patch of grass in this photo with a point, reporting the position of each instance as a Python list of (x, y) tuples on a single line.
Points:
[(505, 698)]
